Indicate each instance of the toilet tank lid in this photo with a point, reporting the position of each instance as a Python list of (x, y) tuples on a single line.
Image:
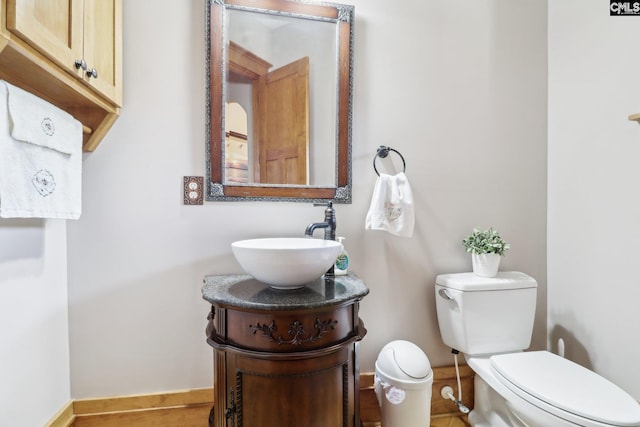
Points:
[(471, 282)]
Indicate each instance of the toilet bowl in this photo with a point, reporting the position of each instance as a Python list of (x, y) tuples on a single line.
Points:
[(490, 320), (542, 389)]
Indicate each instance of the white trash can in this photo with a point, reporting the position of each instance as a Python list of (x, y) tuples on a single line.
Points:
[(403, 383)]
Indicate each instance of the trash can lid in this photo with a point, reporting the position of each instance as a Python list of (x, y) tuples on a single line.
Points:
[(402, 362)]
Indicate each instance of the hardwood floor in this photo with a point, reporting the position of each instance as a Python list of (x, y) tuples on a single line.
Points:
[(445, 421), (370, 413), (190, 408)]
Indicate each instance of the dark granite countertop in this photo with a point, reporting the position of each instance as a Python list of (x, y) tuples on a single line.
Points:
[(244, 291)]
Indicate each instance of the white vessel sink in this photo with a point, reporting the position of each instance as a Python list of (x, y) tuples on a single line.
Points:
[(286, 262)]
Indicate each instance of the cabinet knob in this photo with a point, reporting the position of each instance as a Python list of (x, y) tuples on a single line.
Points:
[(80, 63), (92, 73)]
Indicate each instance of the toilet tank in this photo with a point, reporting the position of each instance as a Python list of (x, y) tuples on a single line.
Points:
[(480, 315)]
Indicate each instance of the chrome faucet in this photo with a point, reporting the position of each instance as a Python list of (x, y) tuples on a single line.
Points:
[(329, 223)]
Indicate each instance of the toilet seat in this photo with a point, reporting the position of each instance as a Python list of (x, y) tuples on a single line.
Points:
[(566, 389)]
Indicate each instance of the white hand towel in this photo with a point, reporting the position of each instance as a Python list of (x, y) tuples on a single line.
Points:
[(40, 158), (391, 208)]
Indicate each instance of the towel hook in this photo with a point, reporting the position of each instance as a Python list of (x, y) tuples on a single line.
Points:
[(382, 152)]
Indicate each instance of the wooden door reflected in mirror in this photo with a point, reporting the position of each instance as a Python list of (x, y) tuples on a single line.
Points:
[(282, 125)]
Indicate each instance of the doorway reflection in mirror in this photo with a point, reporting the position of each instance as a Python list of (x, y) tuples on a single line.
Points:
[(236, 144)]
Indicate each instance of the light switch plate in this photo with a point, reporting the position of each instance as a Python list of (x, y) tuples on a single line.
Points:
[(193, 190)]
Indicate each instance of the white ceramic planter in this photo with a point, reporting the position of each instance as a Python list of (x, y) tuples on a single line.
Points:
[(485, 265)]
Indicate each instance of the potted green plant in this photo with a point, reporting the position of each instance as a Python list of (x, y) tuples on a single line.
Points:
[(486, 248)]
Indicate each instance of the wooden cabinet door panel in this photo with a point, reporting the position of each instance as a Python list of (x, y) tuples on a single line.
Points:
[(53, 27), (67, 31), (282, 393), (102, 46)]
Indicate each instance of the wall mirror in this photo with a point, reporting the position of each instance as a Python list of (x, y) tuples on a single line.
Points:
[(279, 100)]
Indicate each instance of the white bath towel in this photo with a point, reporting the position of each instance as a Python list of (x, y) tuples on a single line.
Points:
[(391, 206), (40, 158)]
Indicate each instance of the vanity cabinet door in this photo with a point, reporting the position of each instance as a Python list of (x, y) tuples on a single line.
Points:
[(310, 392)]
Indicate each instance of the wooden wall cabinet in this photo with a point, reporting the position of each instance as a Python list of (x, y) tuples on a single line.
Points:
[(285, 359), (51, 48)]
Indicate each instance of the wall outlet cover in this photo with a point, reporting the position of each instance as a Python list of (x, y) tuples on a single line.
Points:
[(193, 190)]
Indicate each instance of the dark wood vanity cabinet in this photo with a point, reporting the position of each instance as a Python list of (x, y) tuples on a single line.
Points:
[(285, 358)]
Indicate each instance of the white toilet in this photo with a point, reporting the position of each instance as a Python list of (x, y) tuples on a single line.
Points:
[(490, 320)]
